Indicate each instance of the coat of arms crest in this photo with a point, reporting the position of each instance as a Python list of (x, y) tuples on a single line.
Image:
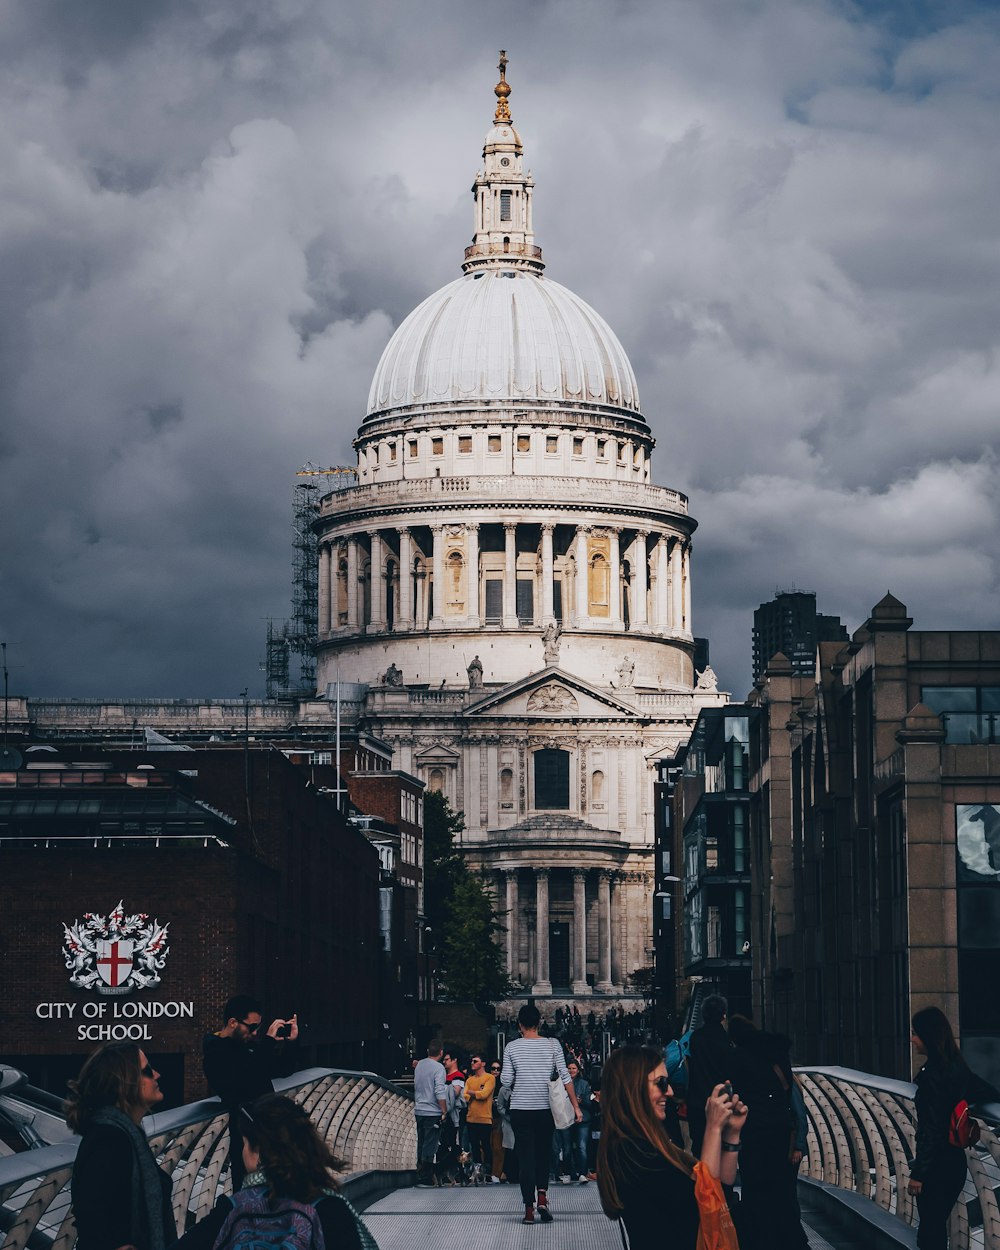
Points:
[(115, 954)]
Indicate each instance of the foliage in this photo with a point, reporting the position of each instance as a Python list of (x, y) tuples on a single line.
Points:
[(472, 963), (459, 912), (644, 981)]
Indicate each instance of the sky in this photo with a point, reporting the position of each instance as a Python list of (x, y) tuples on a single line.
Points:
[(213, 214)]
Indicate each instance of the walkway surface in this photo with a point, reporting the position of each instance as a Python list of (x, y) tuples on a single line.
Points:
[(487, 1218)]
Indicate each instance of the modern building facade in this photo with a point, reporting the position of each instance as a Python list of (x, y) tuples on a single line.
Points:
[(874, 818), (515, 592), (789, 623)]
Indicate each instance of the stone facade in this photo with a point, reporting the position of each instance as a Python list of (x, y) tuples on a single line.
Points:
[(515, 593)]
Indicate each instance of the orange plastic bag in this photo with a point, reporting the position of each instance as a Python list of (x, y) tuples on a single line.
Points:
[(715, 1224)]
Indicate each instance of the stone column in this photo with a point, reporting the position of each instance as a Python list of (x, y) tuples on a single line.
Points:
[(510, 575), (323, 592), (580, 985), (604, 932), (547, 573), (640, 570), (378, 580), (615, 562), (353, 616), (542, 984), (616, 887), (405, 613), (472, 574), (677, 585), (510, 878), (582, 577), (687, 586), (662, 584), (437, 619)]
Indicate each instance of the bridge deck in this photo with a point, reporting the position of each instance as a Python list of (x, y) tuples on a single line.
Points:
[(488, 1218)]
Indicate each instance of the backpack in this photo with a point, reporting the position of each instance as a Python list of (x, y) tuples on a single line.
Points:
[(963, 1128), (675, 1055), (256, 1224)]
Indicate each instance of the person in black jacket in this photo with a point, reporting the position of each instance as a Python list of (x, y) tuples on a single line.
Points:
[(240, 1065), (938, 1170), (762, 1076), (120, 1197), (710, 1062), (285, 1159)]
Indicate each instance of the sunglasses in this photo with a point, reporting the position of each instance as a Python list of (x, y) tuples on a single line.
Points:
[(250, 1028), (147, 1071), (662, 1083)]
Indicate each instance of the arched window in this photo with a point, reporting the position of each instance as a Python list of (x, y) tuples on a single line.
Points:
[(597, 786), (455, 582), (600, 587), (435, 780), (552, 780), (341, 591), (366, 587), (391, 591)]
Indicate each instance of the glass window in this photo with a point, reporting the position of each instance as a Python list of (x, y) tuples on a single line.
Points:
[(525, 600), (551, 444), (552, 780), (505, 205), (465, 444), (392, 451), (602, 448), (524, 442), (970, 714), (494, 600), (413, 448), (495, 444), (437, 446)]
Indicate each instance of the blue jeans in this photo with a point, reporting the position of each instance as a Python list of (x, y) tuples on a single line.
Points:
[(428, 1138), (571, 1143)]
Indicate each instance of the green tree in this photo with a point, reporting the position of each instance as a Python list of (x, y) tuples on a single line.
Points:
[(472, 962), (443, 867), (459, 911)]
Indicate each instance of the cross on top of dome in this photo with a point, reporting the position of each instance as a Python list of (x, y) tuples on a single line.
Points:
[(504, 235), (502, 91)]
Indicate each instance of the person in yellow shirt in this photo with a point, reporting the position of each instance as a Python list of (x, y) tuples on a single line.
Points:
[(478, 1093)]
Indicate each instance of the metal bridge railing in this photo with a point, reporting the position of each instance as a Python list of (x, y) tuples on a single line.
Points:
[(365, 1120), (861, 1138)]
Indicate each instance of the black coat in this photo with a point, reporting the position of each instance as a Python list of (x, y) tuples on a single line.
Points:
[(240, 1073), (710, 1061), (939, 1087), (102, 1192)]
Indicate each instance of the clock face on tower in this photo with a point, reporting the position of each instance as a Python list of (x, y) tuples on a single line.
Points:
[(505, 161)]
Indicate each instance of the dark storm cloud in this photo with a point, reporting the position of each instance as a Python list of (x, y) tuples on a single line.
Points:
[(214, 214)]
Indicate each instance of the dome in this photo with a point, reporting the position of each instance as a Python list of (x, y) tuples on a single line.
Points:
[(503, 334)]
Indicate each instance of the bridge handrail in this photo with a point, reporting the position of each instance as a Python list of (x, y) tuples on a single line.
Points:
[(365, 1119), (861, 1138)]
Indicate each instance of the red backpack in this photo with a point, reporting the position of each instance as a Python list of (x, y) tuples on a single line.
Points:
[(963, 1128)]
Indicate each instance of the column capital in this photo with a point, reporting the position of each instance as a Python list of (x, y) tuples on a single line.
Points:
[(510, 525), (642, 533), (437, 529), (547, 526), (580, 874), (604, 874), (401, 530), (508, 871), (471, 526), (541, 872)]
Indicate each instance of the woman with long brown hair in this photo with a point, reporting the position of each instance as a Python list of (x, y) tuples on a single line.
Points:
[(289, 1178), (644, 1179), (120, 1197), (938, 1170)]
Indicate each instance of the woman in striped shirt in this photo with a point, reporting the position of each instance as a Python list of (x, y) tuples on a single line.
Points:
[(529, 1063)]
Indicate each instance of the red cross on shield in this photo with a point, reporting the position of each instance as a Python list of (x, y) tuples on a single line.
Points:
[(114, 960)]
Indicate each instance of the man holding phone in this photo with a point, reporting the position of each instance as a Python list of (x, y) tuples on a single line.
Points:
[(240, 1064)]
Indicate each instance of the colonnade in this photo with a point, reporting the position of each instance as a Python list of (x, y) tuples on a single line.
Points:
[(400, 577), (608, 904)]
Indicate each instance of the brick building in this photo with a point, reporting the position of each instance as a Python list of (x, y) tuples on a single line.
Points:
[(875, 843), (262, 887)]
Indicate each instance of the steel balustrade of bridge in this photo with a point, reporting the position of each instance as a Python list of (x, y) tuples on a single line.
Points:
[(861, 1139), (366, 1121)]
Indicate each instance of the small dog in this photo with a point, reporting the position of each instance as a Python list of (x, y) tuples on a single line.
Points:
[(467, 1172)]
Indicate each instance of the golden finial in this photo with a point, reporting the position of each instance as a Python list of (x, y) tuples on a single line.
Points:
[(502, 91)]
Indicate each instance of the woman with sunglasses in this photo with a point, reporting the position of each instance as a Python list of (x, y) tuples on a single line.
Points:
[(643, 1177), (120, 1197), (289, 1178)]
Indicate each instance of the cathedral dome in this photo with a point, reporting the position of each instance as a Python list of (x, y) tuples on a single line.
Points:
[(501, 334)]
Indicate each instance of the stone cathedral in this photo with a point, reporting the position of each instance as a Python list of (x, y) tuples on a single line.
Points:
[(510, 595)]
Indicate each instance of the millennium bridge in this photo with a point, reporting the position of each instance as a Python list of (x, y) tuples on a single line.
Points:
[(852, 1187)]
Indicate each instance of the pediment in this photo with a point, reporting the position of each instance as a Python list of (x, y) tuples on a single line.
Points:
[(551, 694), (437, 754)]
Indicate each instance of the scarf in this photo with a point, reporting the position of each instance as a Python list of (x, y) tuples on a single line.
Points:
[(149, 1229)]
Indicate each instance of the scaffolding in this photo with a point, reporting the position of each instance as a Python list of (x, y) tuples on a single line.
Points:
[(297, 636)]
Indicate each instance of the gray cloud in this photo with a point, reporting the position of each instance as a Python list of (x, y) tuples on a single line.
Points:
[(213, 216)]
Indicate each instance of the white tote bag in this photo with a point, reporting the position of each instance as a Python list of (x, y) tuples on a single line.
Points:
[(563, 1114)]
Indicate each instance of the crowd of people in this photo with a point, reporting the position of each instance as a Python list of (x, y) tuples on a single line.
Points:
[(490, 1120)]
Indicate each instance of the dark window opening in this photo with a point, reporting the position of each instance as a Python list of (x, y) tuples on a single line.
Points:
[(525, 601), (552, 780), (505, 206)]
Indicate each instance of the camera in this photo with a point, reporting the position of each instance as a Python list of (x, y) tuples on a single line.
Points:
[(283, 1030)]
